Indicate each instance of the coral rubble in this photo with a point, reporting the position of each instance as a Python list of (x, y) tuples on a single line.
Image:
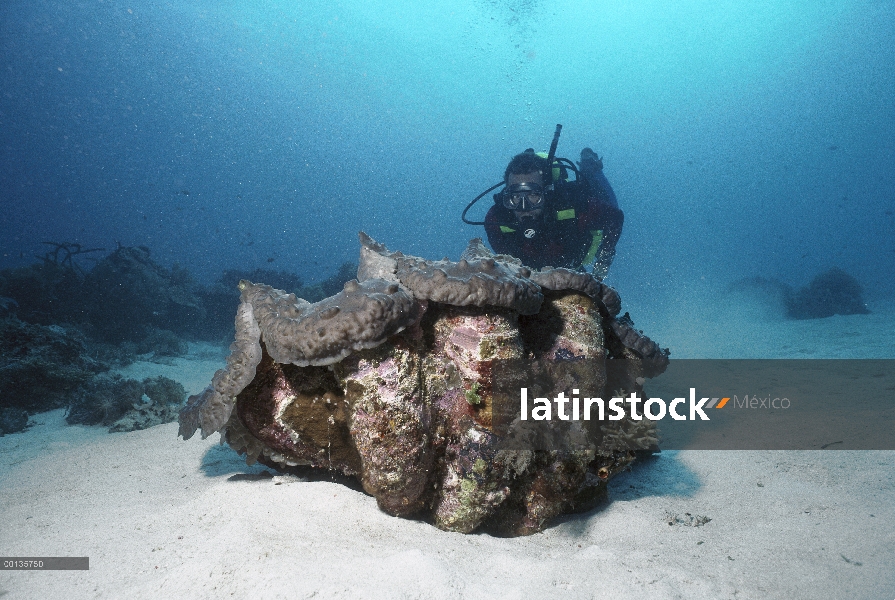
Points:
[(833, 292), (129, 294), (410, 379), (45, 367), (127, 404), (42, 367)]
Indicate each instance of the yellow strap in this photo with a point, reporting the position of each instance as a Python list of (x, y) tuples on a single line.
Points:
[(505, 229), (556, 170), (562, 215), (594, 246)]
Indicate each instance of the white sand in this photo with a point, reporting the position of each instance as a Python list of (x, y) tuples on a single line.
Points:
[(164, 518)]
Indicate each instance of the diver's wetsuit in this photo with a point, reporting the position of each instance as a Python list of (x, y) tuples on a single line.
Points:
[(581, 223)]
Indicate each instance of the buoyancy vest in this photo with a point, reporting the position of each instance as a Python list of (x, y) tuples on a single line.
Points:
[(568, 206)]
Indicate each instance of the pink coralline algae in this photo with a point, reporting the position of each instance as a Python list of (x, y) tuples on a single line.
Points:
[(410, 380)]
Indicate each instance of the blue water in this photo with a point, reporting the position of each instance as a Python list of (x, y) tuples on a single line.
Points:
[(742, 138)]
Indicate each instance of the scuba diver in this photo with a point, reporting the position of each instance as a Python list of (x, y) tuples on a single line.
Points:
[(544, 219)]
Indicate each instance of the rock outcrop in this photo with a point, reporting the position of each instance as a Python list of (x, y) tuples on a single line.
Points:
[(412, 379)]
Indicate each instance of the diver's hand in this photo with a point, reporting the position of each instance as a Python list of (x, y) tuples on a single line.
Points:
[(601, 265), (590, 162)]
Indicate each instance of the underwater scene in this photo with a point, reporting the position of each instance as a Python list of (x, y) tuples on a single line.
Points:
[(490, 298)]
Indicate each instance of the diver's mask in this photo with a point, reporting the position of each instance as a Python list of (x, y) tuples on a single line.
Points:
[(524, 196), (527, 200)]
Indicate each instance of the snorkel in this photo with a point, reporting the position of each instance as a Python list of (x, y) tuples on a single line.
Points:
[(550, 156)]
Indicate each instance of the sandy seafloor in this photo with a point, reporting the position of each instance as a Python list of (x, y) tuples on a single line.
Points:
[(163, 518)]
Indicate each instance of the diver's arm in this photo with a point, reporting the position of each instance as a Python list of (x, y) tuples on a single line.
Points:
[(496, 238), (610, 220), (591, 168), (602, 190)]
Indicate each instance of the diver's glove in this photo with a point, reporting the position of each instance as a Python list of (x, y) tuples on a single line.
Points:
[(602, 263), (590, 163)]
